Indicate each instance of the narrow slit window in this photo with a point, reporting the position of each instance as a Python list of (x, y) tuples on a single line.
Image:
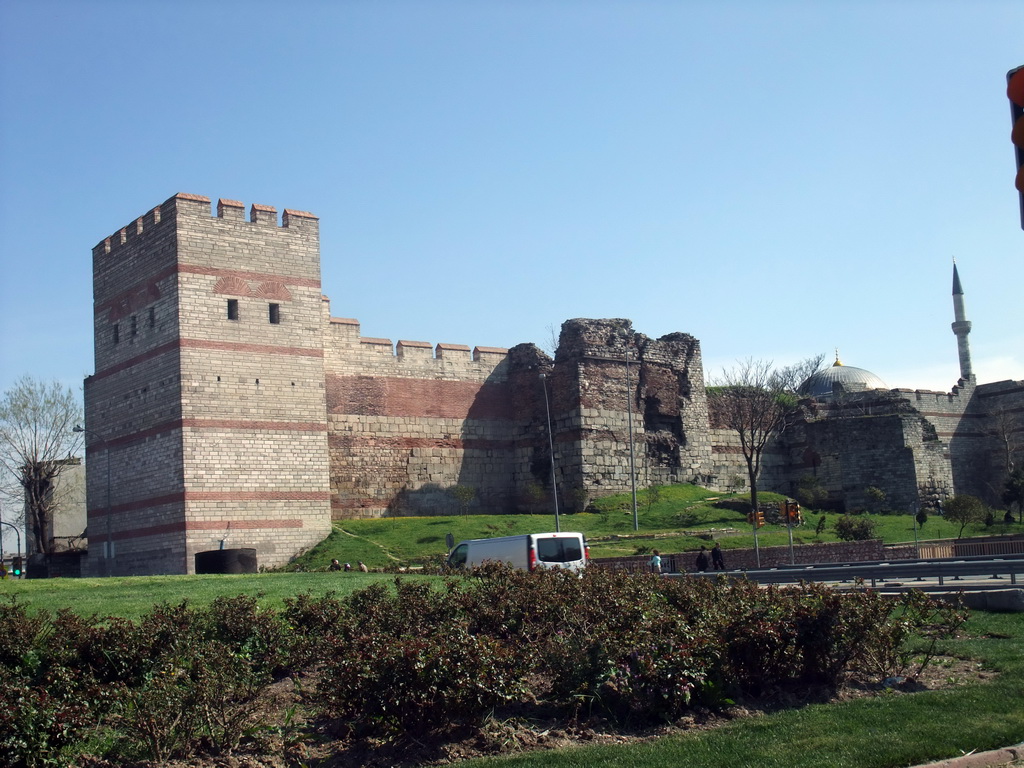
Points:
[(275, 313), (116, 335), (135, 325), (232, 309), (152, 317)]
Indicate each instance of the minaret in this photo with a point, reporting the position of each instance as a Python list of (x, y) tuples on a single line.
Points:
[(961, 327)]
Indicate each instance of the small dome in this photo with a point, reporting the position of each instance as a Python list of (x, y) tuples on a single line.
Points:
[(821, 384)]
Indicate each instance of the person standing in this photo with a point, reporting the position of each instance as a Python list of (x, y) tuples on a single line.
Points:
[(717, 558), (655, 562), (702, 559)]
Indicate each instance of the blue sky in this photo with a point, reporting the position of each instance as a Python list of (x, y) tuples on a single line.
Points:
[(778, 179)]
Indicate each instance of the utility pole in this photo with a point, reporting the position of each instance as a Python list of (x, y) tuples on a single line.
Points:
[(632, 458), (551, 449)]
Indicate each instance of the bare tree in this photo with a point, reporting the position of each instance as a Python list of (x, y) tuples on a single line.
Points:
[(756, 400), (1004, 430), (36, 442)]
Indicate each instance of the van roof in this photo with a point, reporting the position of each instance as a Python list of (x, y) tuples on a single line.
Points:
[(552, 534)]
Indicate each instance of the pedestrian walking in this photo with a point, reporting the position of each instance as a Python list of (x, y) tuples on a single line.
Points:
[(655, 562), (717, 558)]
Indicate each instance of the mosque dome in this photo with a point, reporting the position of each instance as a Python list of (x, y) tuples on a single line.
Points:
[(821, 384)]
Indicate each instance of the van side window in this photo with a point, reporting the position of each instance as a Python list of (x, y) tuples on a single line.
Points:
[(457, 559), (559, 550)]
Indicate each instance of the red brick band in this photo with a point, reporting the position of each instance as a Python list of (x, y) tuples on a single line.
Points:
[(185, 527), (172, 346), (180, 498)]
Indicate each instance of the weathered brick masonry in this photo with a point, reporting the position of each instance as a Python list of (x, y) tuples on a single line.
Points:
[(236, 411), (209, 387)]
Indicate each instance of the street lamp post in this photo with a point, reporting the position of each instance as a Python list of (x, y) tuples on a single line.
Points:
[(551, 448), (108, 553), (632, 459), (17, 533)]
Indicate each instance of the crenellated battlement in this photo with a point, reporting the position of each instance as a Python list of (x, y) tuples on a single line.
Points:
[(199, 206), (347, 331)]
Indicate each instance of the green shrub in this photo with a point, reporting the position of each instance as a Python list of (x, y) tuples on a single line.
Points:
[(636, 648), (854, 528), (384, 683)]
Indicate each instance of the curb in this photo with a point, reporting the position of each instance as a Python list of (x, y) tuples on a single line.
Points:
[(981, 759)]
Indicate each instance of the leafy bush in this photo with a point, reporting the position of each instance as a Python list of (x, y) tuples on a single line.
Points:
[(636, 648), (809, 492), (876, 499), (854, 528), (387, 683)]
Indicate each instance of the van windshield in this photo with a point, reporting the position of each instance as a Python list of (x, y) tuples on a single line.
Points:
[(457, 558), (566, 550)]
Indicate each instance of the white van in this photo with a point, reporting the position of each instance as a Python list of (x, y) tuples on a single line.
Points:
[(528, 551)]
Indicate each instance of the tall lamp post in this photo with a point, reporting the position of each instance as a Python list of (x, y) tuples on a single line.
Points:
[(551, 448), (632, 459), (17, 533), (108, 551)]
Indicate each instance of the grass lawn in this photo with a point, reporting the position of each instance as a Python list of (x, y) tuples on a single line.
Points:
[(134, 596)]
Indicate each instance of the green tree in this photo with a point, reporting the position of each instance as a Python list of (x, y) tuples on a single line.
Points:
[(464, 495), (809, 492), (36, 439), (964, 510), (876, 498), (1013, 492)]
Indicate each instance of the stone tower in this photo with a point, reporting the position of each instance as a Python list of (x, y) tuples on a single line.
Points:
[(961, 327), (208, 398), (628, 408)]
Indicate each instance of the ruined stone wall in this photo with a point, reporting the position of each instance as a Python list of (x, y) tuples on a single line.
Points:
[(983, 426), (884, 458), (232, 408), (612, 384), (993, 444)]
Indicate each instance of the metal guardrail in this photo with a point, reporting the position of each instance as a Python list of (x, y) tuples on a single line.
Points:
[(941, 569)]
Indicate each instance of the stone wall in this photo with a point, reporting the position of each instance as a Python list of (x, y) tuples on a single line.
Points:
[(614, 390), (747, 559), (209, 387), (234, 409)]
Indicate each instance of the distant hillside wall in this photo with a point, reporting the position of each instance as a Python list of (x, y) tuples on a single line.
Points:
[(890, 455)]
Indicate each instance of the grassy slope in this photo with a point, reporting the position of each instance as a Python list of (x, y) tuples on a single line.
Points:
[(662, 524)]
